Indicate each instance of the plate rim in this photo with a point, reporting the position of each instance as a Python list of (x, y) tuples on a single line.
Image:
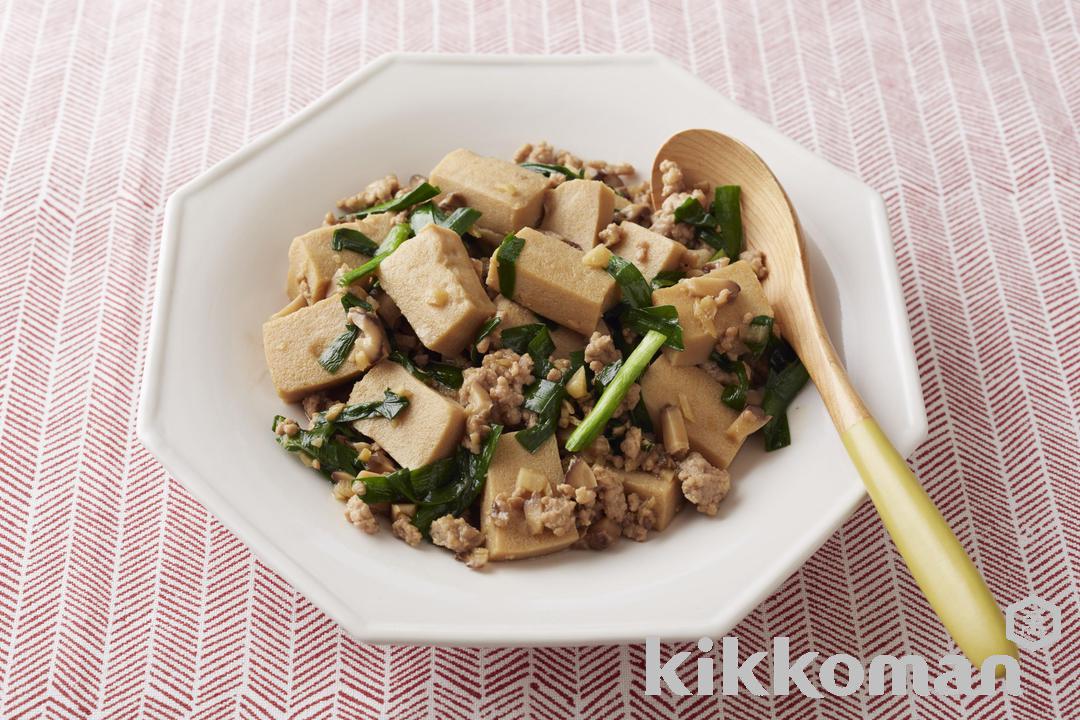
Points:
[(266, 549)]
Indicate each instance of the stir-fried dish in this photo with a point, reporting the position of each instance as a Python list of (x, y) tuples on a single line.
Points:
[(508, 359)]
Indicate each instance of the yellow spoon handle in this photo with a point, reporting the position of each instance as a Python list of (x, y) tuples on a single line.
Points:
[(937, 561)]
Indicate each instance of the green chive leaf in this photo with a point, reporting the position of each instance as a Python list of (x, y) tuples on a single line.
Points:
[(389, 407), (507, 256), (351, 239), (399, 234), (548, 169), (635, 291), (420, 193), (333, 357), (661, 318), (667, 278), (780, 390), (727, 211)]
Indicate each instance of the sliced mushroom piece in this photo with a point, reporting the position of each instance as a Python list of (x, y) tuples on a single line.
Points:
[(673, 428), (579, 474), (711, 286), (749, 421), (295, 304), (370, 346)]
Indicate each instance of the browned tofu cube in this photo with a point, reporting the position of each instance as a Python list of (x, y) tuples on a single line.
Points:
[(578, 210), (508, 196), (430, 428), (551, 280), (432, 280), (698, 339), (514, 541), (664, 490), (293, 343), (697, 395), (651, 252), (313, 262)]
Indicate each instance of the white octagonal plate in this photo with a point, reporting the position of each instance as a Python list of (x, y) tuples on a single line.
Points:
[(222, 273)]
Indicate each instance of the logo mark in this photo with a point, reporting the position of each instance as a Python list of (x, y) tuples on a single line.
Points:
[(1033, 623)]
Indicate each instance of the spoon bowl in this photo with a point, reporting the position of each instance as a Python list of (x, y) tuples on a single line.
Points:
[(937, 560)]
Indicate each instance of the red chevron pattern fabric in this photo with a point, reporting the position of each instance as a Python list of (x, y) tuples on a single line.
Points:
[(121, 597)]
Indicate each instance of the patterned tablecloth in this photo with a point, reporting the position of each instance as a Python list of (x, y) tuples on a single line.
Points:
[(121, 597)]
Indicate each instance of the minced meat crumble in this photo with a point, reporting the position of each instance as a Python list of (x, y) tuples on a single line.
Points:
[(702, 484)]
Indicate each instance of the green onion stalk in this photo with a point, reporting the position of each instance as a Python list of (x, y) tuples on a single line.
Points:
[(613, 394)]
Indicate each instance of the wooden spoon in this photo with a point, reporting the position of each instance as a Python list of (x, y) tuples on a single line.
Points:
[(935, 557)]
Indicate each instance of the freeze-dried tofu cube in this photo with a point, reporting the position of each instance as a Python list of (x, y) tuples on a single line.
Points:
[(578, 210), (514, 540), (508, 196), (707, 419), (552, 281), (430, 428), (313, 261), (651, 252), (432, 281), (294, 342), (698, 338)]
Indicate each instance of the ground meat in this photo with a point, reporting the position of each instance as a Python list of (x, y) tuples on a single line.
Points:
[(756, 258), (583, 495), (610, 174), (404, 529), (705, 309), (376, 192), (641, 194), (494, 393), (500, 510), (541, 152), (359, 514), (730, 342), (598, 451), (557, 514), (631, 447), (641, 452), (609, 493), (570, 160), (663, 220), (611, 235), (558, 367), (601, 351), (672, 177), (639, 213), (655, 459), (702, 484), (640, 517), (455, 534)]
